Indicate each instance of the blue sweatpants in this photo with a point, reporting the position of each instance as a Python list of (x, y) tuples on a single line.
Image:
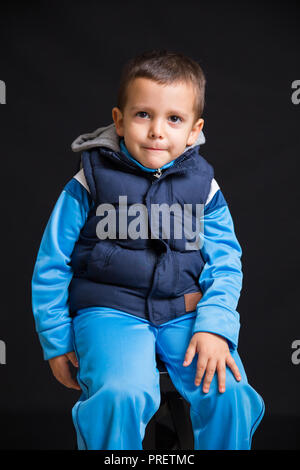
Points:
[(120, 384)]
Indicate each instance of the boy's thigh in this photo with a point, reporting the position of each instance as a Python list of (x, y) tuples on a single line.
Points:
[(114, 348), (173, 339)]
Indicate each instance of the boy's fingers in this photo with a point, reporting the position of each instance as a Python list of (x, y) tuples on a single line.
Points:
[(61, 371), (72, 357), (231, 363), (221, 369), (71, 383), (189, 355), (210, 372), (74, 384), (66, 379), (201, 366)]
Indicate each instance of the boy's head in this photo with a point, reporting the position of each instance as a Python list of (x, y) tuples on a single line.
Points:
[(160, 104)]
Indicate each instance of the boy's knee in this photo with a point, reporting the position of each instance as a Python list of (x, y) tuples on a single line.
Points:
[(122, 393), (239, 393)]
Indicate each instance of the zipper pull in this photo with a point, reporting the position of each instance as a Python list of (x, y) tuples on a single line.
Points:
[(158, 173)]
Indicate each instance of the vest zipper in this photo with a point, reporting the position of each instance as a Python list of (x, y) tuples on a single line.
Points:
[(158, 173)]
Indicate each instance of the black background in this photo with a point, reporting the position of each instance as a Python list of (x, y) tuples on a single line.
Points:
[(61, 63)]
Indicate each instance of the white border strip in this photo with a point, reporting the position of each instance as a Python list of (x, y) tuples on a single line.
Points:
[(213, 189), (82, 180)]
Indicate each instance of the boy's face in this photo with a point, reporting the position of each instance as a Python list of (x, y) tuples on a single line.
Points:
[(158, 121)]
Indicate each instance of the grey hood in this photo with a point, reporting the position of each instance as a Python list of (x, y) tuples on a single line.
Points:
[(107, 137)]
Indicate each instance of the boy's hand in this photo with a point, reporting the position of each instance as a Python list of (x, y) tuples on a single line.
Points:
[(60, 368), (213, 355)]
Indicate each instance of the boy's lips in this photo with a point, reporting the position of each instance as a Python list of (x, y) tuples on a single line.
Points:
[(153, 148)]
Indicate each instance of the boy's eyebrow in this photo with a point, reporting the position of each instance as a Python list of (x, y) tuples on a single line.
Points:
[(174, 111)]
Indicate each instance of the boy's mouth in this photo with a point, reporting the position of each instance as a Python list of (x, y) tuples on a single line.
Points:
[(153, 148)]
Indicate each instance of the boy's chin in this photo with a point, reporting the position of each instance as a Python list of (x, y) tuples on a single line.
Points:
[(153, 165), (153, 162)]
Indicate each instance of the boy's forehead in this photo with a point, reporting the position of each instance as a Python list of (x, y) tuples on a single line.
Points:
[(146, 92)]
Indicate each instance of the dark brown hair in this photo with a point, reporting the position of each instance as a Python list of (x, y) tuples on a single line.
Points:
[(164, 67)]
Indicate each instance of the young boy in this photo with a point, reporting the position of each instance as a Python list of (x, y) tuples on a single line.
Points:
[(109, 301)]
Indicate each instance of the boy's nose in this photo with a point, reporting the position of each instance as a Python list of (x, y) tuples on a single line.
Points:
[(156, 130)]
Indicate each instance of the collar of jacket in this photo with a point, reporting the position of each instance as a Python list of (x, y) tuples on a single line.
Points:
[(183, 163)]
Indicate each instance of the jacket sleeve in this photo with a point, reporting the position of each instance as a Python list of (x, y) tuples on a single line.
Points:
[(221, 278), (52, 272)]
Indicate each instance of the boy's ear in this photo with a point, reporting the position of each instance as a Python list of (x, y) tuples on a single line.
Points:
[(196, 129), (118, 120)]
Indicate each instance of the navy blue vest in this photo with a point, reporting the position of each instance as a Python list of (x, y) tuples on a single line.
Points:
[(153, 277)]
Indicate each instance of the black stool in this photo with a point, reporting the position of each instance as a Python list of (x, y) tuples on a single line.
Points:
[(170, 427)]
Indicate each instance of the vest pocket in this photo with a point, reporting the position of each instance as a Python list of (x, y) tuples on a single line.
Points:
[(100, 255), (110, 263)]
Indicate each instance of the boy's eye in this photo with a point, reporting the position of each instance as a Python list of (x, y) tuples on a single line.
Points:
[(141, 112), (175, 121), (176, 117)]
